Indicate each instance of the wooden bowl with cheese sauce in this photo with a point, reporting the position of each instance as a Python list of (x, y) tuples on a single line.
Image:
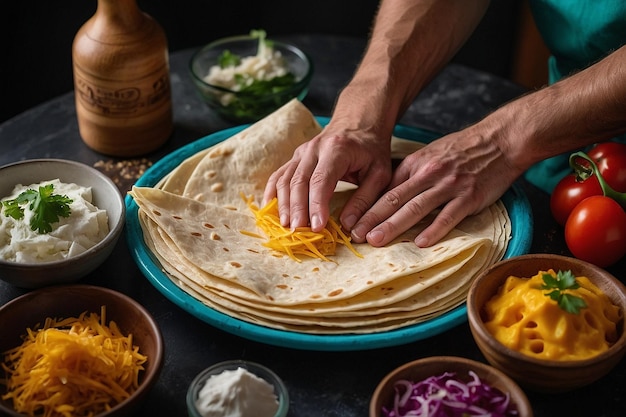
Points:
[(540, 344), (78, 243)]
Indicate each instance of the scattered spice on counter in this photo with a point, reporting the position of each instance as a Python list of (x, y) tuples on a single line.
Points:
[(124, 173)]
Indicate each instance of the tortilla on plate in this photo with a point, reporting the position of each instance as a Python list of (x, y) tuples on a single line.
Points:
[(195, 222)]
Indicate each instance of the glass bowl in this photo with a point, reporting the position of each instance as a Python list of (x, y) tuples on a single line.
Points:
[(280, 390), (248, 107)]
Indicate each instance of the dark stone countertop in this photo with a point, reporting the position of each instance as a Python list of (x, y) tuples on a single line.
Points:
[(320, 383)]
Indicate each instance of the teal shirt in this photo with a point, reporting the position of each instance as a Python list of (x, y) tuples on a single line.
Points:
[(577, 33)]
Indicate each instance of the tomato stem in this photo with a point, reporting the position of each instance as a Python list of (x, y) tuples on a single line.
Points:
[(583, 172)]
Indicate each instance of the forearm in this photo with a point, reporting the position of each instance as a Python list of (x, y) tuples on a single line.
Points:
[(585, 108), (411, 41)]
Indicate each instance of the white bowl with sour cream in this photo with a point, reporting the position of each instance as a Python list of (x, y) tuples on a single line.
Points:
[(78, 244), (237, 388)]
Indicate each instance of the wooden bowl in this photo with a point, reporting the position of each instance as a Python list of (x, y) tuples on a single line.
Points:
[(65, 301), (537, 374), (421, 369)]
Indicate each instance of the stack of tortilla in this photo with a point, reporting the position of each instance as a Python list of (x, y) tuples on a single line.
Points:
[(194, 217)]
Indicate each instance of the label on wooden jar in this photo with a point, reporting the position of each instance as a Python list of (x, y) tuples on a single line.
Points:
[(123, 118), (122, 99)]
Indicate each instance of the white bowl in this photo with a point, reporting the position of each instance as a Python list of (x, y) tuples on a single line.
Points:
[(280, 390), (106, 196)]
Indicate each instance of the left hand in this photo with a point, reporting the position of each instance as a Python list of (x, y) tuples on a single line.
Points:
[(461, 173)]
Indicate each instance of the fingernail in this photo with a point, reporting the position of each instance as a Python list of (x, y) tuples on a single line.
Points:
[(421, 242), (316, 223), (357, 236), (375, 236), (349, 221)]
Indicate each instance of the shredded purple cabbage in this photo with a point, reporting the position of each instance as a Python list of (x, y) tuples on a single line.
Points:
[(447, 396)]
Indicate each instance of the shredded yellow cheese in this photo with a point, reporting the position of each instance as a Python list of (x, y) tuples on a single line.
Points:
[(72, 367), (302, 241)]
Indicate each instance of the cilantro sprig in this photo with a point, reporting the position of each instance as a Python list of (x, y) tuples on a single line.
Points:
[(564, 280), (46, 207), (228, 59)]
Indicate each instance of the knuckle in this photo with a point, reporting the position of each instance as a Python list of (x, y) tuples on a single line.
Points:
[(282, 182), (390, 229), (298, 207), (392, 199), (445, 220), (298, 179), (318, 178), (362, 205), (417, 207)]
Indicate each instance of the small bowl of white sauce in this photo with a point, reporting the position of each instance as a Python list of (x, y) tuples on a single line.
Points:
[(59, 221), (237, 388)]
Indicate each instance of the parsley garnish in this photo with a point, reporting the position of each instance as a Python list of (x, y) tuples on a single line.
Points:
[(46, 207), (228, 59), (563, 281)]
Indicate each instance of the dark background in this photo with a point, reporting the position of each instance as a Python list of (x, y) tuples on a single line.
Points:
[(37, 35)]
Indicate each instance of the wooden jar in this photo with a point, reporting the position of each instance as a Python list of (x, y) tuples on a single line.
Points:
[(121, 80)]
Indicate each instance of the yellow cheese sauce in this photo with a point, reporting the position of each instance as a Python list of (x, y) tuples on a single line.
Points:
[(524, 319)]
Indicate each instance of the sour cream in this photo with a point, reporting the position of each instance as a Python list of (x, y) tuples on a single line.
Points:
[(70, 236), (237, 393), (264, 66)]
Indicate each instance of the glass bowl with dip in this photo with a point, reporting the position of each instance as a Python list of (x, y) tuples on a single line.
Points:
[(237, 388), (245, 78)]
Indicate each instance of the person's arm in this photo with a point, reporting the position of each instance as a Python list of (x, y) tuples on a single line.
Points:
[(410, 42), (582, 109), (465, 171)]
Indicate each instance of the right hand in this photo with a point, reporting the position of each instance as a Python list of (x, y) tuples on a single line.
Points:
[(305, 184)]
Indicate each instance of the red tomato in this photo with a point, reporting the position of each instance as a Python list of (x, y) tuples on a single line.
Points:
[(595, 231), (568, 193), (610, 157)]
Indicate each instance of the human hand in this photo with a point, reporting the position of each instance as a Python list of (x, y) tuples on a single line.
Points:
[(305, 184), (461, 173)]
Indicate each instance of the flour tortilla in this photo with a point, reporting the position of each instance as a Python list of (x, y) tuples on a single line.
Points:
[(320, 323), (243, 163), (193, 219)]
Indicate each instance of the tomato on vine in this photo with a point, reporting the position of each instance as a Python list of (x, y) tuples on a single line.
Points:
[(595, 228), (600, 172), (610, 158), (570, 191), (595, 231)]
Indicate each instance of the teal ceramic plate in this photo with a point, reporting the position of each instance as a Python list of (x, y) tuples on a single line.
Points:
[(514, 200)]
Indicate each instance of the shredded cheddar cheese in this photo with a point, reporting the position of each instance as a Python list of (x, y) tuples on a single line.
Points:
[(72, 367), (522, 318), (302, 241)]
